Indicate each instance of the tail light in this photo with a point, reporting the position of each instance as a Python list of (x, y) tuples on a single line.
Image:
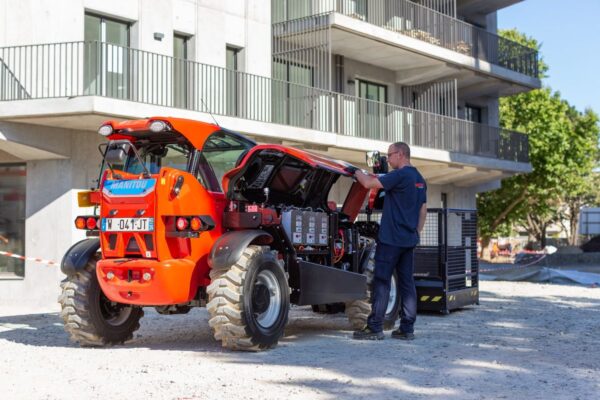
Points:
[(189, 226), (91, 223), (195, 224), (182, 223), (87, 222)]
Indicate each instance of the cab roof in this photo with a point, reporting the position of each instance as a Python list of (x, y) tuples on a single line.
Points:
[(196, 132)]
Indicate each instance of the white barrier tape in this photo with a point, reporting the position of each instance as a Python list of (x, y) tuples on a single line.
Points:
[(20, 257), (514, 267)]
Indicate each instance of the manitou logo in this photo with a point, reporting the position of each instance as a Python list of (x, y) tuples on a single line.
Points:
[(138, 187), (128, 185)]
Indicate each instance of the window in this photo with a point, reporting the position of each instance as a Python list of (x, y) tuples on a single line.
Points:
[(12, 218), (473, 114), (106, 56), (180, 68), (223, 151), (372, 91), (232, 65)]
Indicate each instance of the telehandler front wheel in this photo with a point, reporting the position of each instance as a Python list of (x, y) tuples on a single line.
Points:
[(89, 317), (249, 302)]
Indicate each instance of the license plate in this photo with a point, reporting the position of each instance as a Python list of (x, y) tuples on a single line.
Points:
[(127, 224)]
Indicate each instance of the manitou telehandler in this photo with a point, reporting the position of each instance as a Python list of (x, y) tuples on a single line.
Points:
[(189, 214)]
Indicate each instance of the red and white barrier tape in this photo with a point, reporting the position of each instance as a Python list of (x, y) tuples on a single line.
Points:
[(20, 257)]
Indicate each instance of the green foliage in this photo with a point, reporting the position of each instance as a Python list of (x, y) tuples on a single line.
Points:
[(563, 151)]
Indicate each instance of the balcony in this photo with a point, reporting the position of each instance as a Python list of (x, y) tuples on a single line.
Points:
[(401, 22), (100, 70)]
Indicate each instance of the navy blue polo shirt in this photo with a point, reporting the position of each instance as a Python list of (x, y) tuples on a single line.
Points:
[(405, 193)]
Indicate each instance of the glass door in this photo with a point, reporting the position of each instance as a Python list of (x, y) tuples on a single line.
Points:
[(371, 110), (12, 218), (231, 65), (180, 68), (106, 71)]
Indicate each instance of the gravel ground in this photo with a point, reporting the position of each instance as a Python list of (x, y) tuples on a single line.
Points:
[(525, 340)]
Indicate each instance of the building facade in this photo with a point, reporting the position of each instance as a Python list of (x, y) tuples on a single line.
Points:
[(332, 76)]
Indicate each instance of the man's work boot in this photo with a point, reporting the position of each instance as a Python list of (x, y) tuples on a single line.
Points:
[(367, 334), (398, 334)]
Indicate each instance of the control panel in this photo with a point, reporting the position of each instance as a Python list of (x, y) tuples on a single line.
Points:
[(306, 228)]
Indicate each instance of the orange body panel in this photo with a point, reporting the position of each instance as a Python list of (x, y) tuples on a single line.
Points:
[(195, 131)]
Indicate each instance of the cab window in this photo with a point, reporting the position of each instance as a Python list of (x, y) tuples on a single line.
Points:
[(223, 151)]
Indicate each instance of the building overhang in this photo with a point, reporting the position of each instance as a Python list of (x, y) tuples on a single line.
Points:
[(416, 61), (89, 112)]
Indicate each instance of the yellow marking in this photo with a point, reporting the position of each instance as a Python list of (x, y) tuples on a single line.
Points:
[(436, 299), (163, 181), (424, 298)]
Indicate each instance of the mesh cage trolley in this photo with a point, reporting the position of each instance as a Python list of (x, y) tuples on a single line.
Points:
[(446, 264)]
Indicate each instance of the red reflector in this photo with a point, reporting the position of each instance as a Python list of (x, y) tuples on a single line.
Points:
[(80, 223), (90, 223), (182, 223), (195, 224)]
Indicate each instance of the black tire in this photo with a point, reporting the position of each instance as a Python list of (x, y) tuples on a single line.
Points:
[(249, 302), (358, 310), (89, 317)]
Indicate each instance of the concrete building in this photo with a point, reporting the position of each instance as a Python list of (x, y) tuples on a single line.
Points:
[(332, 76)]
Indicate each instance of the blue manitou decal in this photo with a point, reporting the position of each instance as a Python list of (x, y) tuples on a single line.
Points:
[(137, 187)]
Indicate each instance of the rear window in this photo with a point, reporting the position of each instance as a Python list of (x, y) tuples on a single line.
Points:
[(156, 156)]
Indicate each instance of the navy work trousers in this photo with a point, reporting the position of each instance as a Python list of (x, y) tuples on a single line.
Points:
[(387, 259)]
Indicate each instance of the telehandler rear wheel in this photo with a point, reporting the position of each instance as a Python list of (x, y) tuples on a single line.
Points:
[(90, 318), (358, 310), (249, 302)]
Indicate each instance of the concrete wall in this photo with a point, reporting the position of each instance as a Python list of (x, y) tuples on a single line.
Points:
[(51, 207)]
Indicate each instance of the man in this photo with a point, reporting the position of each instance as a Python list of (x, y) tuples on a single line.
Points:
[(404, 213)]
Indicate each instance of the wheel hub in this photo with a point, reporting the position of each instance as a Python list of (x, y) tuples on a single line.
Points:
[(114, 313), (260, 298), (266, 299)]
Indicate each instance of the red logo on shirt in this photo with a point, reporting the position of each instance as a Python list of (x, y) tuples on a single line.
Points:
[(419, 185)]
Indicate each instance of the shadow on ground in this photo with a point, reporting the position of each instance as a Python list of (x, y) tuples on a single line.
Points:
[(536, 349)]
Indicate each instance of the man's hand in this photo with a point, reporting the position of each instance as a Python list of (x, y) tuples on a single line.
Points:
[(369, 181), (422, 218)]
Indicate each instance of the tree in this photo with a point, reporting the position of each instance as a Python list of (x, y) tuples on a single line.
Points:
[(560, 141)]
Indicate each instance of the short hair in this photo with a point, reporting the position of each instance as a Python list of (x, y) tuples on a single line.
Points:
[(402, 148)]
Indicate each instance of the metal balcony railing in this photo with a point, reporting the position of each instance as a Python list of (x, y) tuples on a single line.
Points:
[(102, 69), (419, 22)]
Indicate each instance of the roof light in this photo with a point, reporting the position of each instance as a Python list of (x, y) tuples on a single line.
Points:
[(105, 130), (158, 126)]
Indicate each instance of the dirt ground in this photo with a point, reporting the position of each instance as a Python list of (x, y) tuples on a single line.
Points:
[(525, 341)]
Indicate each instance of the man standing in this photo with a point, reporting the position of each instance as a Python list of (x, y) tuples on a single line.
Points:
[(404, 213)]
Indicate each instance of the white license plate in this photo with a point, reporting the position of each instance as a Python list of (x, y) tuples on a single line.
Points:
[(127, 224)]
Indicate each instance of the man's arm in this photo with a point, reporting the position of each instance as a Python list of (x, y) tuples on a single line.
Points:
[(422, 217), (368, 181)]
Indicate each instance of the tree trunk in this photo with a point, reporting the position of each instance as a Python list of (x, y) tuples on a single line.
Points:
[(543, 235), (574, 223), (507, 210)]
